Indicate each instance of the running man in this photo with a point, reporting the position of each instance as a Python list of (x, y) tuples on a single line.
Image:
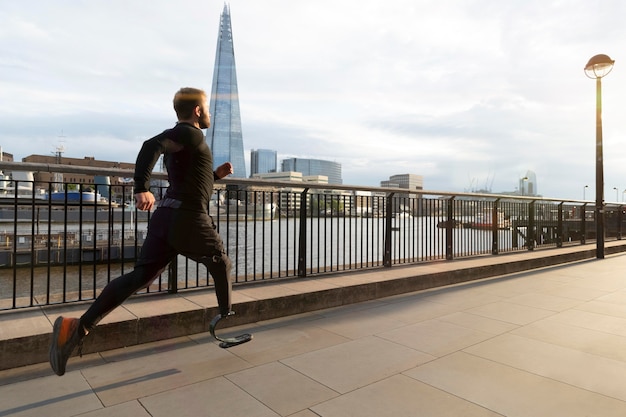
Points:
[(180, 225)]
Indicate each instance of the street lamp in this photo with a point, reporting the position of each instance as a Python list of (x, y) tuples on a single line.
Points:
[(598, 67), (585, 189), (616, 194), (522, 183)]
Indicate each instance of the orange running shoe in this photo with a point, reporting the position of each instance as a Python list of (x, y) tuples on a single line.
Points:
[(65, 337)]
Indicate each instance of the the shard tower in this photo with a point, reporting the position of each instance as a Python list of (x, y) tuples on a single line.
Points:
[(224, 134)]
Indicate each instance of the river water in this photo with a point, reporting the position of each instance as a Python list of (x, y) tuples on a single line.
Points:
[(259, 250)]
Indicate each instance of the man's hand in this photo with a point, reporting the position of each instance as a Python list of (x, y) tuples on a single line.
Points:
[(224, 170), (144, 201)]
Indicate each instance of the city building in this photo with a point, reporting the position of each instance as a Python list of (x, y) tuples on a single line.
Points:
[(314, 167), (411, 203), (408, 181), (322, 200), (263, 161), (101, 182), (4, 156), (224, 135)]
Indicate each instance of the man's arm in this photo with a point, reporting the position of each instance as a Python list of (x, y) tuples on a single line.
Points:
[(147, 158)]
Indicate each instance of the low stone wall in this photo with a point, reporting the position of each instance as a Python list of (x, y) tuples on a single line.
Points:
[(34, 349)]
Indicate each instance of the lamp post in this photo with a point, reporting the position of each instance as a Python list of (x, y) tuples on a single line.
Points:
[(598, 67), (616, 194), (522, 183), (585, 189)]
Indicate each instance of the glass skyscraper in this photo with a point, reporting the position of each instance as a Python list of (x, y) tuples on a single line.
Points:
[(314, 167), (263, 161), (224, 135)]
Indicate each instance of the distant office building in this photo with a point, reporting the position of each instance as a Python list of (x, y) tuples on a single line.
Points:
[(408, 181), (43, 178), (411, 203), (263, 161), (224, 135), (528, 184), (292, 176), (5, 156), (314, 167)]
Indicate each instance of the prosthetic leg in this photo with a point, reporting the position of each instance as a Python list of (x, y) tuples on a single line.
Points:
[(219, 267)]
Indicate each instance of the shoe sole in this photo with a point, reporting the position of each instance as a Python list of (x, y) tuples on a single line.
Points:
[(56, 361)]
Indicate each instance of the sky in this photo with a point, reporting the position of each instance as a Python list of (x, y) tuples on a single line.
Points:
[(470, 94)]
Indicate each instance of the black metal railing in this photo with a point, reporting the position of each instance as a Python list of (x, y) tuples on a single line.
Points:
[(64, 246)]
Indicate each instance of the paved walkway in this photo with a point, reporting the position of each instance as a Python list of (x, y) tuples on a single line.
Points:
[(549, 342)]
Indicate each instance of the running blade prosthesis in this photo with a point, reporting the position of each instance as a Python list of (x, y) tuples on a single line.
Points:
[(226, 342)]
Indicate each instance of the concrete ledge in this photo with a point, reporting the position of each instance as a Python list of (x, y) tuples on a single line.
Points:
[(281, 298)]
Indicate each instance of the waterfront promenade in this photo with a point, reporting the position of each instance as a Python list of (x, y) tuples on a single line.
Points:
[(550, 341)]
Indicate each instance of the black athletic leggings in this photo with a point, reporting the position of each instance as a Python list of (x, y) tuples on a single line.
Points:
[(171, 232)]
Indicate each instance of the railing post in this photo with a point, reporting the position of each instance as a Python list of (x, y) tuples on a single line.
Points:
[(583, 225), (172, 276), (388, 219), (302, 235), (495, 225), (559, 228), (531, 226), (619, 222), (449, 227)]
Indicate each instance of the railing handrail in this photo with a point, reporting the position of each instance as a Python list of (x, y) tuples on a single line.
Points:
[(128, 173)]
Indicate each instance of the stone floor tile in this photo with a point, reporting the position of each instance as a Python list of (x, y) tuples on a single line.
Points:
[(356, 324), (207, 299), (399, 396), (269, 290), (144, 349), (585, 340), (216, 397), (584, 370), (602, 279), (577, 292), (512, 392), (158, 305), (511, 312), (77, 310), (128, 409), (355, 364), (593, 321), (281, 388), (69, 395), (23, 323), (274, 343), (435, 337), (305, 413), (306, 285), (603, 307), (544, 301), (476, 322), (135, 378), (617, 297), (411, 311), (463, 297)]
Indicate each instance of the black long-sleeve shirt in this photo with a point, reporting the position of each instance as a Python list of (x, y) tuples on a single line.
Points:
[(189, 170)]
